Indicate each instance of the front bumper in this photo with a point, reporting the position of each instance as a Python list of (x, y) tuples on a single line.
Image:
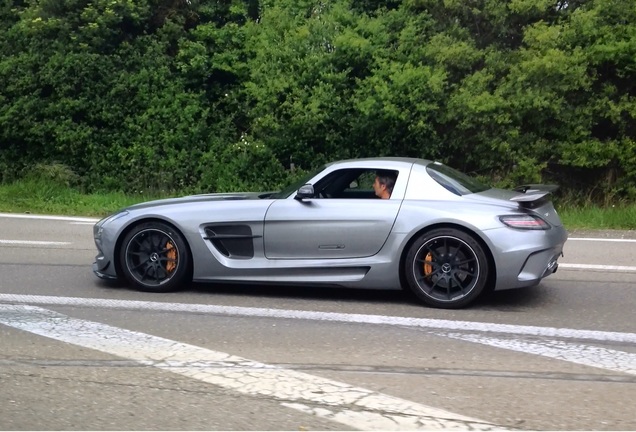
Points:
[(105, 233), (101, 274)]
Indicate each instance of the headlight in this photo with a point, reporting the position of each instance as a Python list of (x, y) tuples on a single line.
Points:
[(99, 226), (115, 216)]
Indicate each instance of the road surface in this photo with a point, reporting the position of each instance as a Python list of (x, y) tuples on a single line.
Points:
[(81, 354)]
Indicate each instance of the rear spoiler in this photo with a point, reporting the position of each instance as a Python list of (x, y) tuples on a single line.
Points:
[(532, 192)]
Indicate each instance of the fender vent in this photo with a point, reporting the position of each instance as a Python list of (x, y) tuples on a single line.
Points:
[(233, 241)]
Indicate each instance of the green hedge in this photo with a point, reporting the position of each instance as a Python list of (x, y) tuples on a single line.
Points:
[(189, 96)]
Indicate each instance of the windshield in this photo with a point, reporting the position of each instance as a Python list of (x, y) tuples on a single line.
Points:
[(455, 181), (293, 187)]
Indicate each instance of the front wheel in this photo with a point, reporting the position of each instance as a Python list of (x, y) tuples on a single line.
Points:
[(446, 268), (154, 257)]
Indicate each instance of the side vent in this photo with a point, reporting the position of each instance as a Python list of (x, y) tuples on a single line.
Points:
[(233, 241)]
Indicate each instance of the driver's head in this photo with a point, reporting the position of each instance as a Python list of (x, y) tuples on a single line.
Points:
[(384, 183)]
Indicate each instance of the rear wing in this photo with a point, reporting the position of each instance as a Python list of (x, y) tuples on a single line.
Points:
[(531, 193)]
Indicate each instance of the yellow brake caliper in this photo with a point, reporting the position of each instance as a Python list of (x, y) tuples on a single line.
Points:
[(171, 264), (428, 268)]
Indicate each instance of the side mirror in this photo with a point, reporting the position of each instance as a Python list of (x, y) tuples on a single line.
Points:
[(305, 191)]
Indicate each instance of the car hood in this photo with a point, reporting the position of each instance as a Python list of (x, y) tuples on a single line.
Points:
[(202, 198)]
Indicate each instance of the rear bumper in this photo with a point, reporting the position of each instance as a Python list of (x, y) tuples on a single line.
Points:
[(539, 265), (530, 258)]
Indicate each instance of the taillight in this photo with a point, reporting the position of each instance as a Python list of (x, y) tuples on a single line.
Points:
[(526, 222)]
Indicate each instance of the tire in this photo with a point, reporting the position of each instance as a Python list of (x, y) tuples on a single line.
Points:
[(154, 257), (446, 268)]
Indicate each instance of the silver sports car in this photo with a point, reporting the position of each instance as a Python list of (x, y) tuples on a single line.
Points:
[(441, 234)]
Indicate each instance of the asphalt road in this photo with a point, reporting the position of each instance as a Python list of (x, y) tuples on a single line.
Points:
[(80, 354)]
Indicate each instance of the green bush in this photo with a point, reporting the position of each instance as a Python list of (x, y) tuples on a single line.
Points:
[(54, 175), (159, 95)]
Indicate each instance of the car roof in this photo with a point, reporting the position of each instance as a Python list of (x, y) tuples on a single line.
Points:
[(379, 160)]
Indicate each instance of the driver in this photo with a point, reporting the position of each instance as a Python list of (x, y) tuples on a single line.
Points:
[(384, 182)]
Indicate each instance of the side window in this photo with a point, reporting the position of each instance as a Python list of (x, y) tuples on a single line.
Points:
[(363, 183), (354, 183)]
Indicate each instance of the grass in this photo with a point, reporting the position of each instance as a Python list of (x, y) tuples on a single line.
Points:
[(42, 197), (39, 197), (621, 217)]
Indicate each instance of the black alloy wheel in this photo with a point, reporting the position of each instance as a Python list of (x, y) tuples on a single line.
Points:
[(446, 268), (154, 257)]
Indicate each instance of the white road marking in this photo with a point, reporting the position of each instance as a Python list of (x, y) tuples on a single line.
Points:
[(34, 242), (617, 361), (355, 407), (602, 239), (597, 267), (47, 217), (427, 323)]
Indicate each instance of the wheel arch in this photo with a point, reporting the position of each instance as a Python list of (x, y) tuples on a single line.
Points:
[(131, 226), (492, 273)]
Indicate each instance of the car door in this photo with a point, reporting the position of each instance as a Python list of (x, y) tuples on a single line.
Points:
[(345, 221)]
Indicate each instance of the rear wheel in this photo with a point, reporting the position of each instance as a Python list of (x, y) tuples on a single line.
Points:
[(154, 257), (446, 268)]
